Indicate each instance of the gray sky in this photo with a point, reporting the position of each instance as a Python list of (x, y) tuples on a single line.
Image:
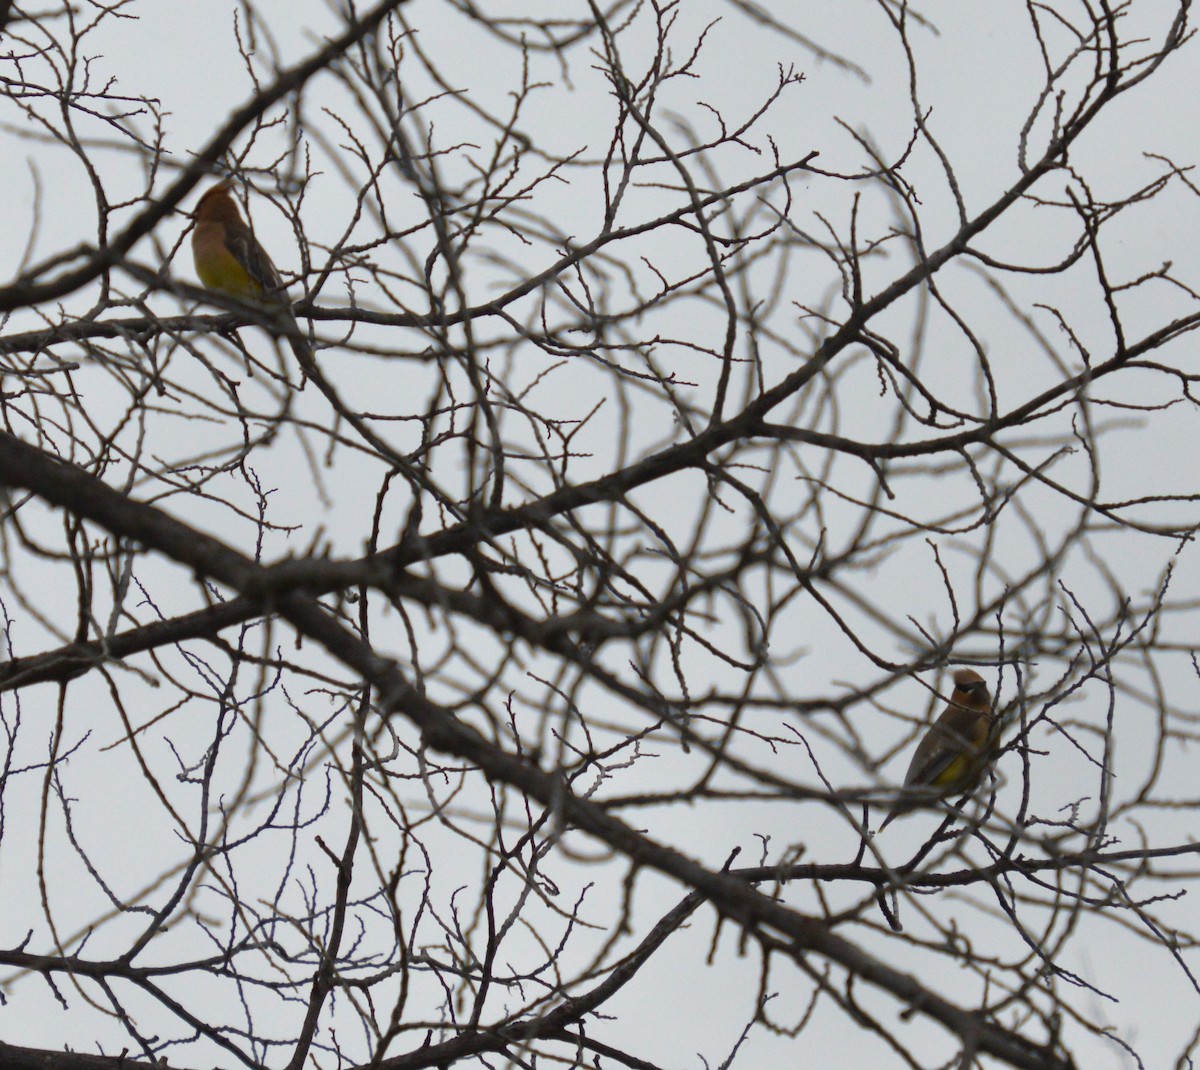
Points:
[(979, 76)]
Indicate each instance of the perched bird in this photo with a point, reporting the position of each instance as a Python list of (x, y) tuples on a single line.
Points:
[(230, 260), (954, 752)]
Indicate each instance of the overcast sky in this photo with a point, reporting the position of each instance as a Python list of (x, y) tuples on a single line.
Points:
[(979, 76)]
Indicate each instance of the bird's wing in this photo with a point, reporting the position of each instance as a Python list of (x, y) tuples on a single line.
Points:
[(951, 737), (253, 257), (929, 763)]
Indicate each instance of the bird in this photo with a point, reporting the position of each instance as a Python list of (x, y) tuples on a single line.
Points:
[(955, 750), (229, 260)]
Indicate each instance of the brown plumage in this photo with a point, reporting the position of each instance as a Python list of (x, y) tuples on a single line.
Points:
[(954, 751), (229, 260), (228, 257)]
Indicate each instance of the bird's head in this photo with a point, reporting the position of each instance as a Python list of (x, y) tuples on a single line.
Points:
[(217, 204), (970, 688)]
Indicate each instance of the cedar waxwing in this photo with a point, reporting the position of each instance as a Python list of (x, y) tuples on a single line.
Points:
[(954, 752), (230, 260)]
